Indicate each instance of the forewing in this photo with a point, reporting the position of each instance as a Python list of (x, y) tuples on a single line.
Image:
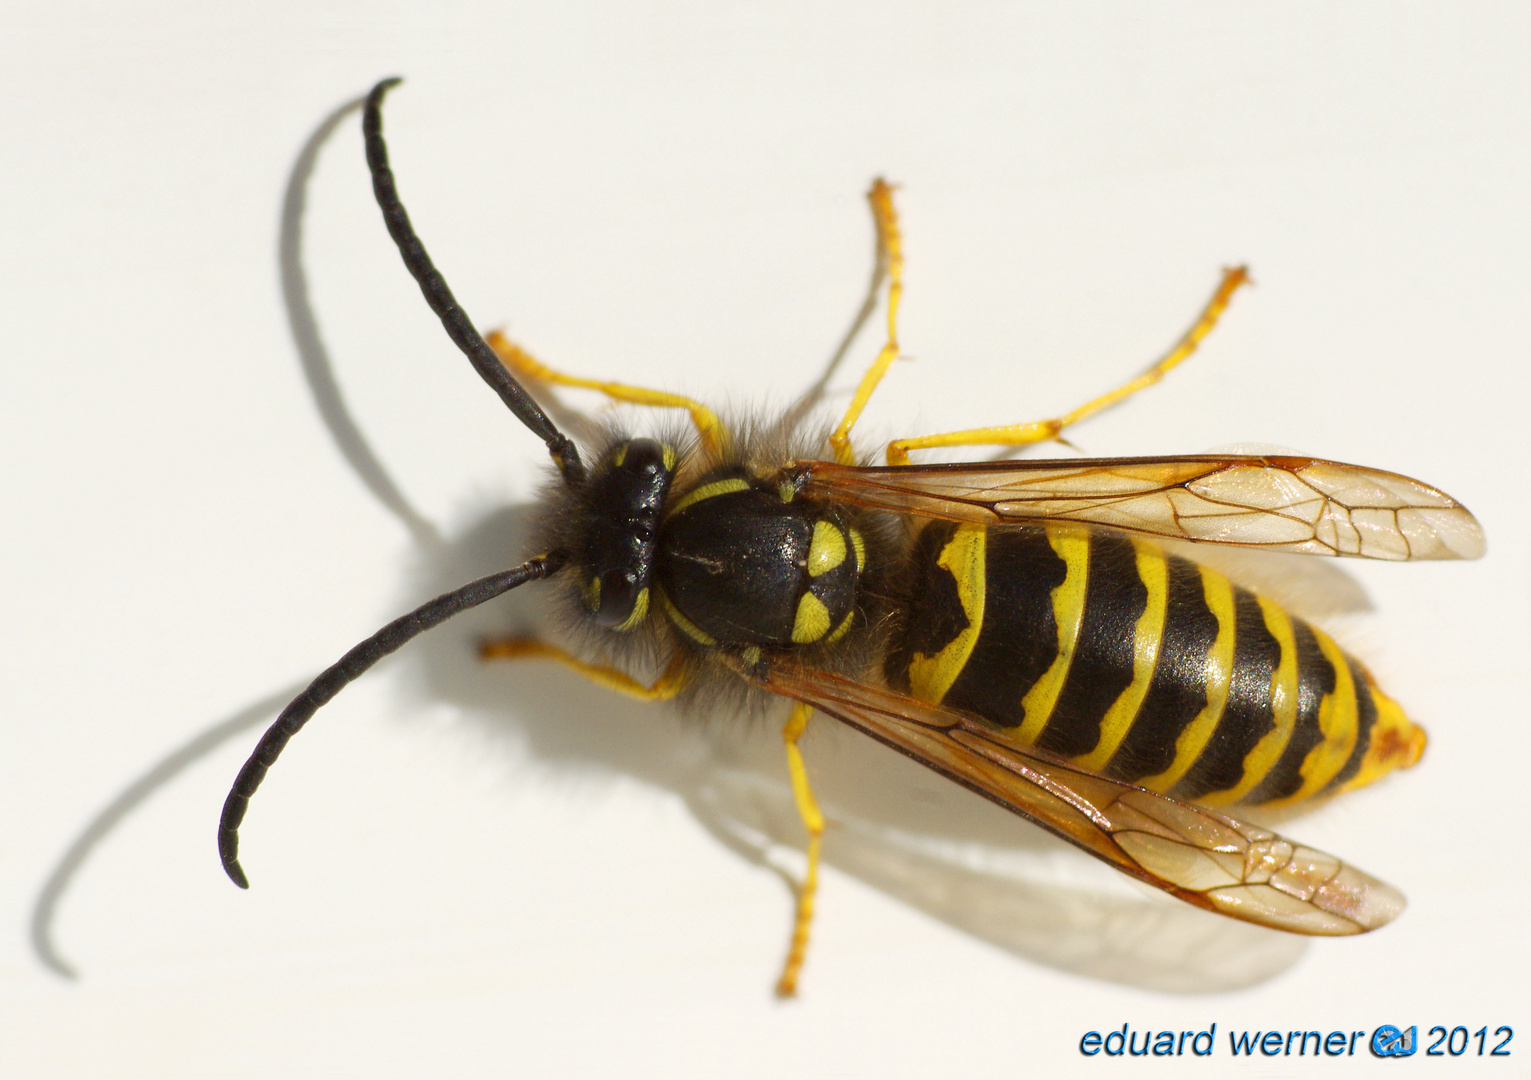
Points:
[(1196, 854), (1296, 504)]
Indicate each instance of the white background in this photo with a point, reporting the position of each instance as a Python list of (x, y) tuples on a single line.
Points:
[(503, 872)]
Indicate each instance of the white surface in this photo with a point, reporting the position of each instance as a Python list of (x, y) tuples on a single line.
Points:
[(464, 872)]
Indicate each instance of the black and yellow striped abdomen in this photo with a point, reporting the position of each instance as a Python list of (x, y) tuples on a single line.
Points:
[(1140, 665)]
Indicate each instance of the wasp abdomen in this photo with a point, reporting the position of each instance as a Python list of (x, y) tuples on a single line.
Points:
[(740, 565), (1141, 665)]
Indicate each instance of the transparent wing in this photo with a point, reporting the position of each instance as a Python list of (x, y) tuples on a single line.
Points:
[(1276, 503), (1196, 854)]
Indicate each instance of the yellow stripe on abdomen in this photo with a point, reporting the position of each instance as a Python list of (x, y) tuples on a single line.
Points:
[(1337, 720), (1073, 547), (1218, 592), (1147, 637), (1283, 697), (1396, 741), (930, 677)]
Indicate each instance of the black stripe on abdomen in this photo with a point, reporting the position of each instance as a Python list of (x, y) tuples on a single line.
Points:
[(1315, 679), (1019, 638), (1366, 719), (933, 615), (1115, 597), (1178, 691), (1248, 716)]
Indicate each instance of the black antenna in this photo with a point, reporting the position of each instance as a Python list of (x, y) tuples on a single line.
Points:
[(458, 326), (348, 669)]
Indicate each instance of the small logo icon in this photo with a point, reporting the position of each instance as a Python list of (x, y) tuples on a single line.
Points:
[(1388, 1041)]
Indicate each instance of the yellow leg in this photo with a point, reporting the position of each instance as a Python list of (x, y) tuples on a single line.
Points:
[(1043, 430), (522, 364), (813, 821), (815, 393), (890, 247), (670, 682)]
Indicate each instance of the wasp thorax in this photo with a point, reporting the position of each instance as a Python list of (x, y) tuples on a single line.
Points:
[(630, 486), (745, 563)]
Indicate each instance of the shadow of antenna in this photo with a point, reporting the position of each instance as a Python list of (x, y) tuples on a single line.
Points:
[(319, 373), (45, 908), (311, 351)]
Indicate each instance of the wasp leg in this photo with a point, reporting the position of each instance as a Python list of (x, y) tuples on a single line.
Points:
[(670, 682), (814, 394), (890, 248), (528, 367), (1043, 430), (813, 821)]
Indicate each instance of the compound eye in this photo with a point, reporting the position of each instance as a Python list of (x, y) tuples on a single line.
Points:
[(618, 594), (646, 457)]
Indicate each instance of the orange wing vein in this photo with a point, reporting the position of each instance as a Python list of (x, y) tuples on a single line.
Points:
[(1295, 504), (1193, 853)]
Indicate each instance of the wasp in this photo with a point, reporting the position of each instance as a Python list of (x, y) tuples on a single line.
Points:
[(1031, 629)]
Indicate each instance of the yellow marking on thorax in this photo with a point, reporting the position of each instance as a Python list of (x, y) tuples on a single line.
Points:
[(841, 630), (1073, 547), (859, 545), (1218, 592), (1259, 761), (812, 621), (1396, 741), (1153, 571), (1336, 719), (683, 624), (640, 610), (827, 548), (965, 555), (709, 491)]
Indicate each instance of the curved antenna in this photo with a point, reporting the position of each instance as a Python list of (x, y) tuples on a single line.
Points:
[(313, 355), (458, 326), (346, 670)]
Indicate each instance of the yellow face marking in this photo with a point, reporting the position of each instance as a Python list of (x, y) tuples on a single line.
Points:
[(1337, 715), (683, 624), (590, 592), (812, 620), (640, 611), (965, 555), (1219, 673), (1259, 761), (827, 549), (1153, 571), (668, 457), (709, 491), (786, 491), (1396, 742), (860, 547), (751, 654), (618, 456), (1073, 547)]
